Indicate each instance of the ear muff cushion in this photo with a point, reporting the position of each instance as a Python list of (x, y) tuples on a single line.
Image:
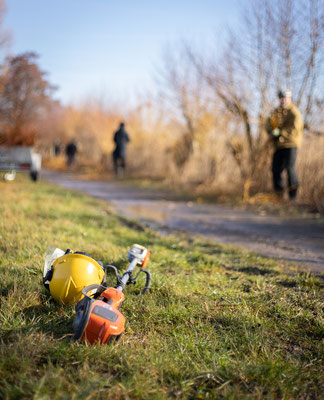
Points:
[(47, 278), (82, 309)]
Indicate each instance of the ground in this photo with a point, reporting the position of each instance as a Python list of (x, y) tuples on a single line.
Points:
[(218, 323)]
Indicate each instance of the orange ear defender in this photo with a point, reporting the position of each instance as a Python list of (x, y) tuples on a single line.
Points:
[(99, 320)]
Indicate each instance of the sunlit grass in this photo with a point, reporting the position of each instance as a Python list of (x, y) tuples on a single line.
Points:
[(218, 322)]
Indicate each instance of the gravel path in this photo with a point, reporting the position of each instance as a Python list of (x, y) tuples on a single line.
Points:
[(292, 239)]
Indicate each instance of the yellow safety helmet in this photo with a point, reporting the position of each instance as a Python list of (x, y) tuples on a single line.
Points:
[(69, 274)]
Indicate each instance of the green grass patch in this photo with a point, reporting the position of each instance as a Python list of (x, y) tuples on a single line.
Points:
[(218, 323)]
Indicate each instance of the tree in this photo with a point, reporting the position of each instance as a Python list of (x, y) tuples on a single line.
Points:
[(279, 46), (189, 102), (4, 34), (4, 39), (24, 98)]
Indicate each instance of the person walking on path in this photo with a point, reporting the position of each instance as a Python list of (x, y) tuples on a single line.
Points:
[(285, 126), (56, 147), (70, 151), (121, 138)]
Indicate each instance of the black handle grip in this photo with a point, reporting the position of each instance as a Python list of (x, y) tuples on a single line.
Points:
[(148, 280)]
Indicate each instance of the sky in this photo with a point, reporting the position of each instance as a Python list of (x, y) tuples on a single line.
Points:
[(110, 47)]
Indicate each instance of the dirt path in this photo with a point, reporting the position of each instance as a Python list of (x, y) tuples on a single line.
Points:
[(292, 239)]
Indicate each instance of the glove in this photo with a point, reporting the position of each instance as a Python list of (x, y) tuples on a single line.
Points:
[(276, 132)]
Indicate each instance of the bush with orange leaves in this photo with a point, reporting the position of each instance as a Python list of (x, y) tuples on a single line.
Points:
[(25, 95)]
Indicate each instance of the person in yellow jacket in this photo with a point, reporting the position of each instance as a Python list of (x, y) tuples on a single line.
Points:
[(285, 125)]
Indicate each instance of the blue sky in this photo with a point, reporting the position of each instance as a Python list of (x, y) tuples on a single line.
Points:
[(91, 47)]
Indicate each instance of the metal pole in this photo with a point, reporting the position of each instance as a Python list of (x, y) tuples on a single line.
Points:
[(125, 277)]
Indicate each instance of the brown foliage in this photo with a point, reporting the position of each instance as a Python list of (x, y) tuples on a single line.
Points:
[(25, 95)]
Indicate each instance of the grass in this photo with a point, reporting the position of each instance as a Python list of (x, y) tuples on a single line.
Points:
[(218, 323)]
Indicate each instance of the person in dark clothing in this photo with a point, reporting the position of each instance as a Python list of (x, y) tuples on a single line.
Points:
[(285, 126), (70, 151), (57, 148), (121, 138)]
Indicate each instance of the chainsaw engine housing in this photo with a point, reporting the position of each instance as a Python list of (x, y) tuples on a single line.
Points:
[(99, 320)]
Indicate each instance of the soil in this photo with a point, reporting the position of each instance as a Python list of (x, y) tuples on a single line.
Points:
[(292, 238)]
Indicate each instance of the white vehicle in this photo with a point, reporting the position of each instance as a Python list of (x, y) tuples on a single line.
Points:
[(19, 158)]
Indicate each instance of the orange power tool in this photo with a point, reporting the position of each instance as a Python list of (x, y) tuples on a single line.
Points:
[(98, 318)]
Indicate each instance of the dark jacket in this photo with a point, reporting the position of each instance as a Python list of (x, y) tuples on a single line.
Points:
[(71, 149), (121, 138)]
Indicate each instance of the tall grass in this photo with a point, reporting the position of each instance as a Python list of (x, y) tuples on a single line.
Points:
[(311, 172), (155, 139)]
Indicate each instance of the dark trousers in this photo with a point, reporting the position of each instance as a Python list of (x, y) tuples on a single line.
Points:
[(70, 160), (284, 159), (119, 163)]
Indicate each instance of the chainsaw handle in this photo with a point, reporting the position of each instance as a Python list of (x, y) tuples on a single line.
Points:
[(145, 261), (148, 280)]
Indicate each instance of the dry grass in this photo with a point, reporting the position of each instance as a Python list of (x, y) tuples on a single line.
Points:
[(151, 154), (311, 172)]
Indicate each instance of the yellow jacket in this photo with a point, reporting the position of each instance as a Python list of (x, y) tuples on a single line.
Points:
[(291, 126)]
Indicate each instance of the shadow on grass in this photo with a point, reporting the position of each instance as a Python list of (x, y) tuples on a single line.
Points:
[(287, 283), (213, 249), (43, 318), (253, 270), (306, 280), (257, 271), (12, 276), (5, 289), (130, 223)]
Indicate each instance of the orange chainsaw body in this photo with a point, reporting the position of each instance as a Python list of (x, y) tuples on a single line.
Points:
[(105, 320)]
